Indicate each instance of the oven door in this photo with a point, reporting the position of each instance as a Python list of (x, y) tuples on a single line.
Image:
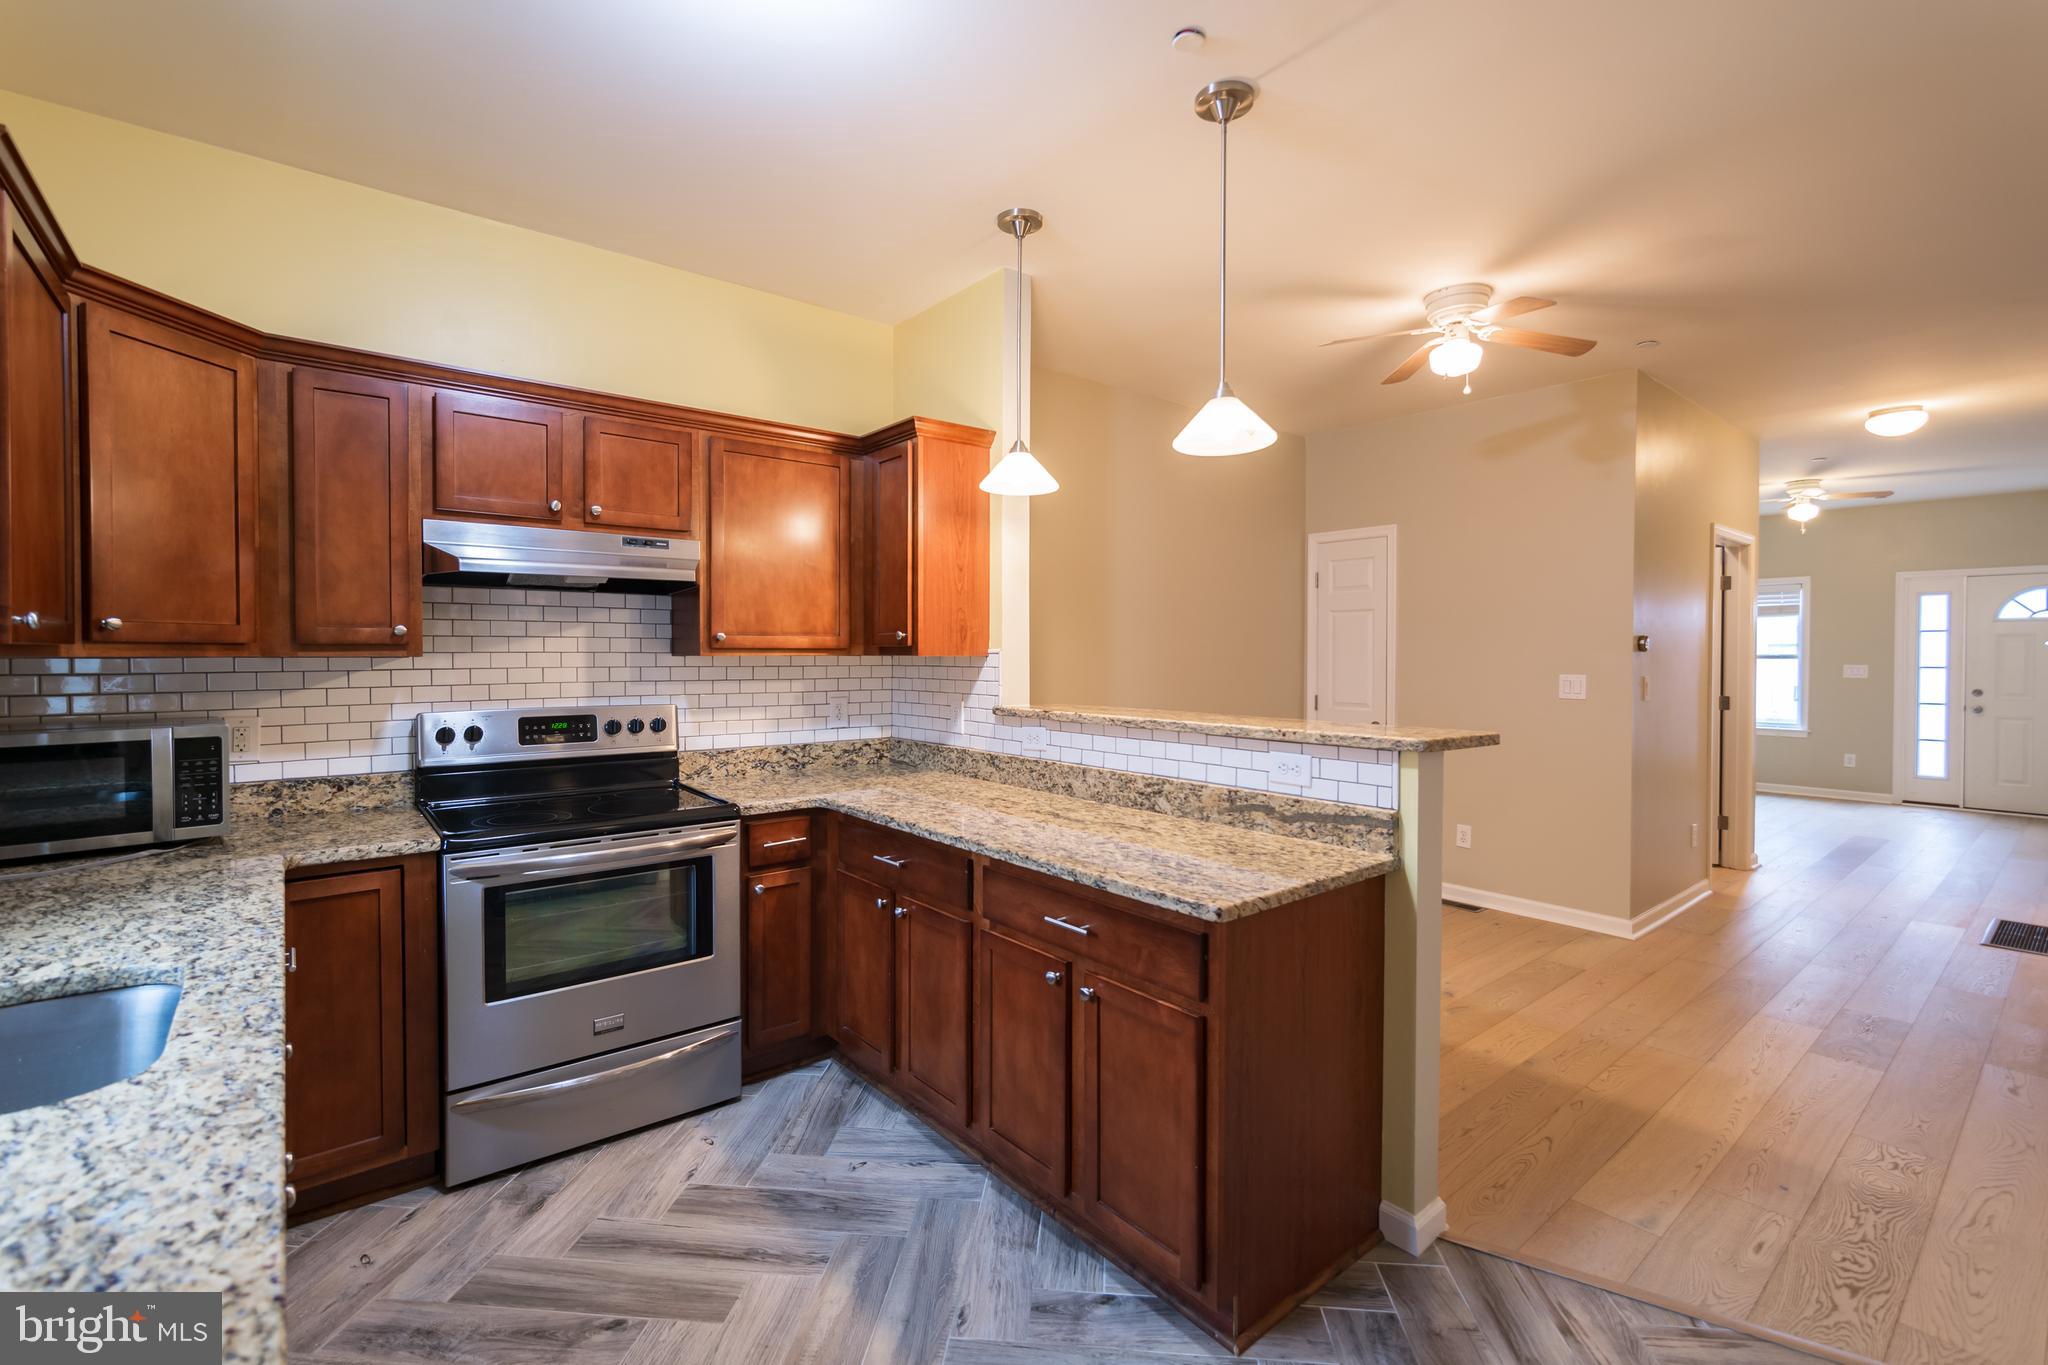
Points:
[(66, 791), (563, 951)]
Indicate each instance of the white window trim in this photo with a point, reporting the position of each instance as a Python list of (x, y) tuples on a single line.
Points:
[(1804, 728)]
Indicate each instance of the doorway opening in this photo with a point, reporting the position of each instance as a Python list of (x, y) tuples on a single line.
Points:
[(1350, 632), (1970, 689), (1731, 718)]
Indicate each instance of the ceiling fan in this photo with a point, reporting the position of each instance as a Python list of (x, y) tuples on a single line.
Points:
[(1459, 321), (1803, 498)]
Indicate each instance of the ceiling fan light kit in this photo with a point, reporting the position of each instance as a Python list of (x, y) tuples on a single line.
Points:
[(1019, 474), (1803, 498), (1226, 425), (1902, 420), (1463, 320)]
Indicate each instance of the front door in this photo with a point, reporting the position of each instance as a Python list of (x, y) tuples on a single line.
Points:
[(1350, 605), (2005, 683)]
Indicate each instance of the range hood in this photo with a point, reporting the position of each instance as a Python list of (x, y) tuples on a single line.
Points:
[(495, 554)]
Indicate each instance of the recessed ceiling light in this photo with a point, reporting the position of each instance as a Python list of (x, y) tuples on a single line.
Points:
[(1189, 40), (1648, 344), (1903, 420)]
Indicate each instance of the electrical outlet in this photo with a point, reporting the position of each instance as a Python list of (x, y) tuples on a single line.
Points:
[(1034, 739), (1288, 770), (835, 710), (1464, 836), (1571, 686), (1855, 670), (1695, 834), (1848, 760), (242, 737)]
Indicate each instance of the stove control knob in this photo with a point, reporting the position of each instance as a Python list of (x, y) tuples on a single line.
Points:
[(635, 726), (444, 736), (473, 733), (657, 725), (611, 727)]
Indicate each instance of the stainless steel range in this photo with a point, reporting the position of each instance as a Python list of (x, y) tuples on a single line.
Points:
[(590, 929)]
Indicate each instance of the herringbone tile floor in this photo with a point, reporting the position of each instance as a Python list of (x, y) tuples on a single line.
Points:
[(816, 1221)]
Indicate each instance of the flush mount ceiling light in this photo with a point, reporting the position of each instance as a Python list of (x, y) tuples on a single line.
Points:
[(1803, 510), (1457, 354), (1019, 474), (1225, 425), (1903, 420)]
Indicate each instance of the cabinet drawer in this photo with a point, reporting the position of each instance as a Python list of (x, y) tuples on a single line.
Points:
[(1137, 949), (778, 840), (908, 865)]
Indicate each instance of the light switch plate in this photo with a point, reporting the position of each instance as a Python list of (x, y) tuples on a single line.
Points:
[(1287, 770), (1848, 760), (1855, 670), (1571, 686), (1033, 738), (835, 710)]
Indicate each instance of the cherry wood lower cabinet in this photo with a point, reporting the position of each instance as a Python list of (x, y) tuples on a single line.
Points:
[(362, 1028)]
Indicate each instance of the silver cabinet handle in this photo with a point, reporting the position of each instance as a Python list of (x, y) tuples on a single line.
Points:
[(287, 1163), (1087, 992), (900, 912), (782, 843), (902, 635), (287, 1051), (1054, 978), (595, 510), (399, 631), (760, 889), (291, 1196), (717, 637), (291, 959), (111, 623), (886, 861), (534, 1092), (1066, 924), (27, 618), (554, 504)]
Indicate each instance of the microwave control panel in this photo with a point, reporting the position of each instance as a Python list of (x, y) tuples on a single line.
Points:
[(196, 779)]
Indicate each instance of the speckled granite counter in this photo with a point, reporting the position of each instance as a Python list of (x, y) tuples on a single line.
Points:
[(1210, 871), (171, 1179), (1273, 729)]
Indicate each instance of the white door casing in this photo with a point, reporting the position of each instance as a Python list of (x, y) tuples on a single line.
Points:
[(2005, 702), (1350, 632)]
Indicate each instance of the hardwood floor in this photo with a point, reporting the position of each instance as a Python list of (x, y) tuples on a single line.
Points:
[(1813, 1103), (816, 1221)]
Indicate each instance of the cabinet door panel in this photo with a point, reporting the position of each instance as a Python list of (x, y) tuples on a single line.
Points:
[(893, 622), (866, 982), (36, 574), (776, 562), (344, 1007), (497, 457), (171, 485), (1141, 1150), (935, 969), (639, 476), (778, 976), (355, 547), (1027, 1058)]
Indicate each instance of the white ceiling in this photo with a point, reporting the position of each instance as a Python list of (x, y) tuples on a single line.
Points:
[(1817, 207)]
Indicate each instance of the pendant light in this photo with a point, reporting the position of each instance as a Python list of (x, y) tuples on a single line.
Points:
[(1225, 425), (1019, 474)]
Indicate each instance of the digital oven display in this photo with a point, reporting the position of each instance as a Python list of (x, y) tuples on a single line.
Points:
[(558, 729)]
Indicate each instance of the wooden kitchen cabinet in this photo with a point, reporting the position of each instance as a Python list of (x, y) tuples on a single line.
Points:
[(934, 1019), (355, 550), (1024, 1043), (362, 1028), (170, 485), (925, 539), (864, 989), (497, 458), (777, 985), (638, 476), (38, 574), (776, 555)]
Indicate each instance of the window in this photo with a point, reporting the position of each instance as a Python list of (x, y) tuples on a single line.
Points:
[(1930, 668), (2024, 606), (1781, 634)]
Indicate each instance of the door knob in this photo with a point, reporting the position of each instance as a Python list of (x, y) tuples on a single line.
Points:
[(1976, 691), (1976, 710), (554, 504), (291, 1196), (27, 618), (1054, 978), (399, 631), (111, 623), (595, 510)]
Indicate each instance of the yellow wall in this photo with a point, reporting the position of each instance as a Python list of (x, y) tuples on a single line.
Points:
[(1158, 580), (1692, 471), (305, 255), (1854, 556), (1514, 565)]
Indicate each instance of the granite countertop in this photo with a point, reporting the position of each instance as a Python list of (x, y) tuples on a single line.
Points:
[(1274, 729), (1209, 871), (172, 1179)]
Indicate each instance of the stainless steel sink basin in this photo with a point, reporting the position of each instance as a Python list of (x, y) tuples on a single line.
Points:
[(53, 1049)]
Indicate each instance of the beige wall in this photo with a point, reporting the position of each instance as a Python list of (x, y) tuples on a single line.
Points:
[(1854, 556), (1157, 579), (1514, 566), (1693, 470), (309, 256)]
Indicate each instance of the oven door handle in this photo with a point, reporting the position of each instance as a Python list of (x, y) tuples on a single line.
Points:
[(573, 1083), (613, 855)]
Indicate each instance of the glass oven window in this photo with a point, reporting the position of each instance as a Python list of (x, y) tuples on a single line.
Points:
[(590, 927), (54, 792)]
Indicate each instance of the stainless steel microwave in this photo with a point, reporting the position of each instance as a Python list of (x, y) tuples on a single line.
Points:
[(69, 790)]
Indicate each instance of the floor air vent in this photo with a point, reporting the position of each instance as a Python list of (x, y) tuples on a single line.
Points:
[(2017, 935)]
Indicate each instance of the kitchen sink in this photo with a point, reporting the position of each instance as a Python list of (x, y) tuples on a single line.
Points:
[(53, 1049)]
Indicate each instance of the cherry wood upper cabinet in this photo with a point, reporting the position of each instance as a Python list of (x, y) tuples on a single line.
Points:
[(497, 457), (38, 577), (776, 561), (639, 476), (170, 512), (926, 539), (355, 541)]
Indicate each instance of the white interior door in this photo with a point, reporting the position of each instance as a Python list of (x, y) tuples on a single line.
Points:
[(1350, 627), (2005, 703)]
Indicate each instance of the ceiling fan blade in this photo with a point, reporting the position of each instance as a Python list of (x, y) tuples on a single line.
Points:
[(1382, 336), (1515, 308), (1838, 497), (1410, 365), (1539, 341)]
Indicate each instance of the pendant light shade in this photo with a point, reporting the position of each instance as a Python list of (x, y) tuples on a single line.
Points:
[(1019, 474), (1226, 425)]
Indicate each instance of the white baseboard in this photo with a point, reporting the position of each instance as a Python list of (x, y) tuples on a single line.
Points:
[(1827, 793), (1413, 1232), (1633, 927)]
